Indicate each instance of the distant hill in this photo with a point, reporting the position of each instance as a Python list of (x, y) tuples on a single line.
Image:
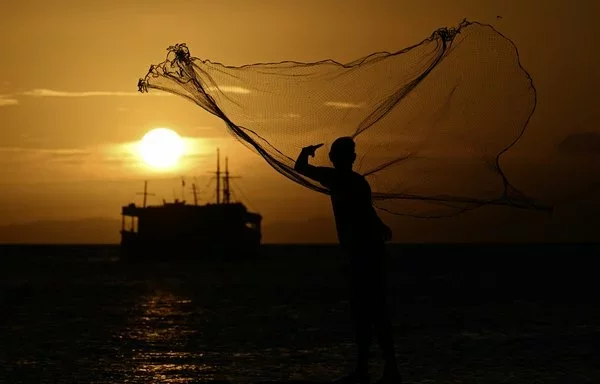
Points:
[(93, 230), (578, 225), (106, 231)]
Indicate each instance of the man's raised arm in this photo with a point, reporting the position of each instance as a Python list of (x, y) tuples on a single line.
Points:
[(303, 167)]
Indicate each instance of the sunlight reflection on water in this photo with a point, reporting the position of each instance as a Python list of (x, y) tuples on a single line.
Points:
[(169, 335), (159, 328)]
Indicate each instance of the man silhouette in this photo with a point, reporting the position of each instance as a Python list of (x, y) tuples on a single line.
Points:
[(362, 235)]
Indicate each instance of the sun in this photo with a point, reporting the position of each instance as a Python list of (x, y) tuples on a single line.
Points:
[(161, 148)]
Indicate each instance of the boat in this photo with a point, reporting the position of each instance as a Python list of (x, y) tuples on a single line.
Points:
[(177, 230)]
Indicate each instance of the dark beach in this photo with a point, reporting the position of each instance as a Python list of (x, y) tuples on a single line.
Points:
[(462, 314)]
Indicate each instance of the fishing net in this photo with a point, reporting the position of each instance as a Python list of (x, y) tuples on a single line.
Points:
[(430, 122)]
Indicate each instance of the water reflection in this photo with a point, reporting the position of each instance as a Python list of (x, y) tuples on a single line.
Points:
[(162, 341)]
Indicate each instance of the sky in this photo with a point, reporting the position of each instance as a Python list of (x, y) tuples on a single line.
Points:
[(71, 116)]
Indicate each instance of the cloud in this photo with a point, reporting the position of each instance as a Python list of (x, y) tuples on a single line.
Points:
[(41, 92), (6, 100), (22, 155), (108, 160), (194, 156), (203, 128), (581, 143), (18, 164), (203, 132), (46, 151), (343, 105), (230, 89)]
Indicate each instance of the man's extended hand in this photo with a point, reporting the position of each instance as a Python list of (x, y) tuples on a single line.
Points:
[(310, 150)]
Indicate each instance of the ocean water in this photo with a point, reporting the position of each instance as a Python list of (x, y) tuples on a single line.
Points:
[(462, 314)]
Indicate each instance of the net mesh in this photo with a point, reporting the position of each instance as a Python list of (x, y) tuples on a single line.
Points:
[(430, 122)]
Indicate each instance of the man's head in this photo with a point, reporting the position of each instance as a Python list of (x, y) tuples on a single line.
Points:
[(342, 153)]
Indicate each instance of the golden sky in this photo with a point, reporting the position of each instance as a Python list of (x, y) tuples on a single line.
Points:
[(70, 113)]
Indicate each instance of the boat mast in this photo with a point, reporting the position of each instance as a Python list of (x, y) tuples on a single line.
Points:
[(183, 189), (145, 193), (226, 191), (195, 194), (218, 179), (226, 185)]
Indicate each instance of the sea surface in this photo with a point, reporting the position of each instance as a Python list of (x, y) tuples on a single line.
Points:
[(462, 314)]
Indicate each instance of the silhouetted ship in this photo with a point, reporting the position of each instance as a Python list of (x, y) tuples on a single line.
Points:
[(224, 229)]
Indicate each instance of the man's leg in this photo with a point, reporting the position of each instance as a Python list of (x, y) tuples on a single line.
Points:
[(362, 323), (385, 335), (382, 321), (363, 330)]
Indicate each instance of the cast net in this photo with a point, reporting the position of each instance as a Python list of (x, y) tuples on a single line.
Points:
[(431, 122)]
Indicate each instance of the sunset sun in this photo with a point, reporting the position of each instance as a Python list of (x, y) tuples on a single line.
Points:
[(161, 148)]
